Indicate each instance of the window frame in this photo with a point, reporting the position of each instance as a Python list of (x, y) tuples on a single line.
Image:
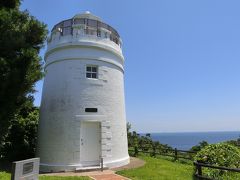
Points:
[(93, 74)]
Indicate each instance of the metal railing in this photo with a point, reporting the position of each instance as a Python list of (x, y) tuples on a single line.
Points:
[(91, 25)]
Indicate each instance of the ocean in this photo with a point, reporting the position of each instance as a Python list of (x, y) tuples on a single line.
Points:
[(184, 141)]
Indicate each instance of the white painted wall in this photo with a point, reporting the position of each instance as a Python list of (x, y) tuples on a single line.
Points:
[(66, 94)]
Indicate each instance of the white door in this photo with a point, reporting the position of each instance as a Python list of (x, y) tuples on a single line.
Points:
[(90, 143)]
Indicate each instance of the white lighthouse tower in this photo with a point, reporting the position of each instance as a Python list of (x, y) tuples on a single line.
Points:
[(82, 116)]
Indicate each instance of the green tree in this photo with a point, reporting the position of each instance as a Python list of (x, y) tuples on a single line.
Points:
[(21, 38), (20, 141), (145, 142)]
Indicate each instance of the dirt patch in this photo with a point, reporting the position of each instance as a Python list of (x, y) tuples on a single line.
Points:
[(109, 177), (134, 163)]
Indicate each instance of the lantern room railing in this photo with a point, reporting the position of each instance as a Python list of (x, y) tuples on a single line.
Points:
[(92, 27)]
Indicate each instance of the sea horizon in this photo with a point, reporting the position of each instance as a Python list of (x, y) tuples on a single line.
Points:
[(186, 140), (190, 132)]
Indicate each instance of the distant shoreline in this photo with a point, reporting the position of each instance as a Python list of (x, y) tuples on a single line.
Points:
[(190, 132), (185, 140)]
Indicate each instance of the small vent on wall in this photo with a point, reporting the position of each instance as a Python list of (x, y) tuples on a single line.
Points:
[(91, 110)]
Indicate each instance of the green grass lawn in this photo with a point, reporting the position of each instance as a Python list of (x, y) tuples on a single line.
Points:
[(4, 175), (7, 176), (159, 168)]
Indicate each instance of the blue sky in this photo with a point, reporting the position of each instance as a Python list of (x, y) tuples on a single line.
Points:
[(182, 59)]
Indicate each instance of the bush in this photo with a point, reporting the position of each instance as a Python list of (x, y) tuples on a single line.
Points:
[(234, 142), (199, 146), (221, 154)]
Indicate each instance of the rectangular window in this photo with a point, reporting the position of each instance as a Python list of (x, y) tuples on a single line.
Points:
[(92, 71)]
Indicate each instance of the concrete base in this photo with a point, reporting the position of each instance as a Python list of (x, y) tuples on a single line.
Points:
[(117, 163), (73, 167), (90, 168)]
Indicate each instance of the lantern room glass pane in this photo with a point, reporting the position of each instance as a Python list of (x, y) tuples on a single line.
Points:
[(67, 23), (104, 25), (79, 21), (58, 25), (92, 23), (67, 30)]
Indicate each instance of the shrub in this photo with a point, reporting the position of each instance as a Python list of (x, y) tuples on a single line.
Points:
[(234, 142), (221, 154), (199, 146)]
